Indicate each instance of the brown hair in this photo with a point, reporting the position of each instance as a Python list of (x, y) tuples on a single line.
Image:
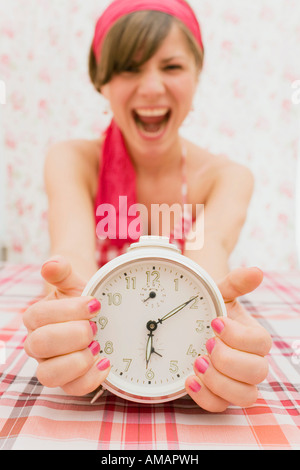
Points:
[(137, 34)]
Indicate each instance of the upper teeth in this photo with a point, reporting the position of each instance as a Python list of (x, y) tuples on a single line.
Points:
[(152, 112)]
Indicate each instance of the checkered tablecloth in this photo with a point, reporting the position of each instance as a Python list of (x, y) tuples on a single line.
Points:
[(35, 417)]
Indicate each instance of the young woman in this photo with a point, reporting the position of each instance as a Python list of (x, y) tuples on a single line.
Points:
[(146, 58)]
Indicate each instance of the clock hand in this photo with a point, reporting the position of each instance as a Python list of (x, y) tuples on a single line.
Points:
[(151, 326), (155, 352), (149, 348), (151, 296), (175, 310)]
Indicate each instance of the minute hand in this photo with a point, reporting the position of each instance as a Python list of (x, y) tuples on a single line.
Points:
[(176, 310)]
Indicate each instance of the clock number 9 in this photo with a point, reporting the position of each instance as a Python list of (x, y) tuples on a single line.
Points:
[(102, 322)]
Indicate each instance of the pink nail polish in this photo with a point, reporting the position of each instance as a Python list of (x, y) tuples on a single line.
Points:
[(94, 305), (94, 327), (103, 364), (217, 325), (210, 344), (94, 347), (201, 364), (195, 386)]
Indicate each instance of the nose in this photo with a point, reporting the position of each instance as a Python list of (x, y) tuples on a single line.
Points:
[(151, 84)]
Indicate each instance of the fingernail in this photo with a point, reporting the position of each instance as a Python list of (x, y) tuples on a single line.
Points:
[(201, 364), (217, 325), (195, 386), (103, 364), (210, 344), (94, 347), (49, 261), (94, 327), (94, 305)]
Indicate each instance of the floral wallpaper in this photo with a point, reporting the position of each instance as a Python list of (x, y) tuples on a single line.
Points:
[(243, 108)]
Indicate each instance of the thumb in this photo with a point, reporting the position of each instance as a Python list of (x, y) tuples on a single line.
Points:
[(58, 272), (239, 282)]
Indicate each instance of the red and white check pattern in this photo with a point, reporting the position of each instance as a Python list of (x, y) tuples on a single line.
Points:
[(36, 417)]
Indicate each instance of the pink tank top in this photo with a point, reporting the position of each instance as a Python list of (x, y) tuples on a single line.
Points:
[(121, 179)]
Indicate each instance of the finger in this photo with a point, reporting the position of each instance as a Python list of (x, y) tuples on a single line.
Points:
[(89, 381), (255, 340), (58, 311), (235, 392), (239, 282), (60, 338), (59, 272), (238, 365), (204, 397), (58, 371)]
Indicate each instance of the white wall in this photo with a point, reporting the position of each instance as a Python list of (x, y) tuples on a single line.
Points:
[(243, 108)]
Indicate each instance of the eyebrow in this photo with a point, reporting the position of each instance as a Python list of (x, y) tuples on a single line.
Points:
[(169, 59)]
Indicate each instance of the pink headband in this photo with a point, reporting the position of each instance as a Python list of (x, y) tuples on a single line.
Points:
[(118, 8)]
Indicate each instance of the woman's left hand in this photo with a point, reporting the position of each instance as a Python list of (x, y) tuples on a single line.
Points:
[(236, 362)]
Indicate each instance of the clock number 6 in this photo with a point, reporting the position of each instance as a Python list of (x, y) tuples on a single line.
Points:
[(150, 374)]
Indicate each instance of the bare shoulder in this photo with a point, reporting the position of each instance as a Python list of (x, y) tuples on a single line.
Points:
[(208, 171), (79, 159)]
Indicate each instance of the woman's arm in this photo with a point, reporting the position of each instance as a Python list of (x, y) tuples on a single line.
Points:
[(235, 362), (60, 331), (70, 179), (224, 216)]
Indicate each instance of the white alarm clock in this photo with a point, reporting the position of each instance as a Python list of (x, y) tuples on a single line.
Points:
[(155, 319)]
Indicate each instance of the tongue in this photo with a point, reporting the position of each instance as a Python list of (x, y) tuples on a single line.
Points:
[(151, 127)]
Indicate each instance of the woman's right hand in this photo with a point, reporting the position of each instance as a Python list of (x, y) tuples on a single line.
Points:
[(61, 334)]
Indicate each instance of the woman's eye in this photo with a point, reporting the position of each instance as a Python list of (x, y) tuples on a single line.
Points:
[(174, 67), (132, 69)]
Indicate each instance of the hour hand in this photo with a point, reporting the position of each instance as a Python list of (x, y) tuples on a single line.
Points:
[(149, 348), (151, 326)]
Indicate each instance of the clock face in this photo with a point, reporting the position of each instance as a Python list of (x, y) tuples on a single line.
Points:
[(154, 321)]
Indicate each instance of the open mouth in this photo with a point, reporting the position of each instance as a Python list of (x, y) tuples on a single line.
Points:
[(151, 122)]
